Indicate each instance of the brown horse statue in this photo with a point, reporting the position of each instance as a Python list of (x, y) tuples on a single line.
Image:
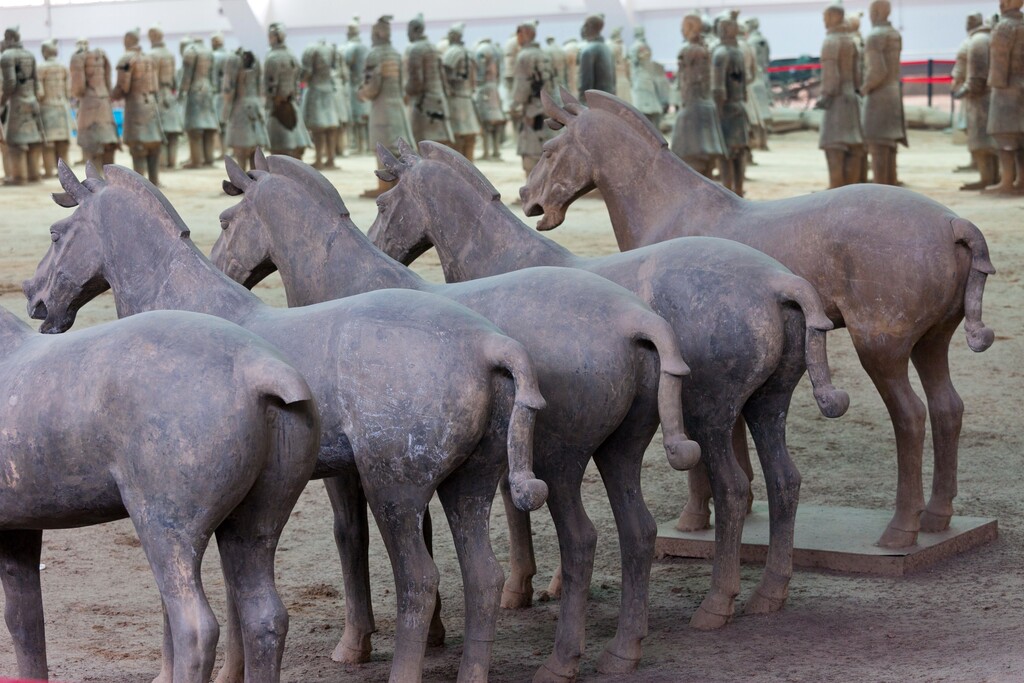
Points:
[(898, 270), (747, 327), (416, 395), (596, 347), (185, 423)]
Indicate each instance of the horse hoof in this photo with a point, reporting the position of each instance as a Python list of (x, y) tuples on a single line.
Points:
[(932, 522), (704, 620), (897, 538), (545, 674), (693, 521), (762, 604), (611, 663), (343, 654), (515, 600)]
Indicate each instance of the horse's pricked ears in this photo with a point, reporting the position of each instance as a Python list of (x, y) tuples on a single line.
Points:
[(238, 181), (389, 161), (74, 191), (558, 116), (627, 113), (405, 149), (569, 101), (259, 160), (435, 151)]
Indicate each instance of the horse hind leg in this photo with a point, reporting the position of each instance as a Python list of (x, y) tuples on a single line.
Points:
[(518, 590), (946, 410), (19, 571), (888, 369)]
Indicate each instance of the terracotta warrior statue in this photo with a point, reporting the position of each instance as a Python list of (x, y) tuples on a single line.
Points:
[(883, 122), (220, 56), (533, 75), (1006, 79), (729, 90), (23, 127), (623, 76), (571, 47), (55, 107), (281, 76), (342, 97), (639, 39), (755, 54), (139, 87), (246, 124), (650, 86), (558, 63), (976, 94), (488, 97), (697, 135), (90, 86), (3, 144), (320, 105), (460, 70), (596, 63), (197, 93), (382, 88), (355, 57), (424, 88), (172, 120), (840, 135)]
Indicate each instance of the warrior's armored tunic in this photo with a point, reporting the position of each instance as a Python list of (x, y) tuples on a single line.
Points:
[(977, 93), (320, 103), (533, 75), (171, 117), (883, 100), (24, 123), (428, 103), (596, 67), (137, 84), (729, 87), (460, 71), (623, 83), (284, 125), (90, 85), (382, 88), (559, 65), (54, 90), (1006, 78), (197, 89), (246, 124), (840, 73), (355, 58), (488, 80), (697, 135), (220, 56), (342, 90)]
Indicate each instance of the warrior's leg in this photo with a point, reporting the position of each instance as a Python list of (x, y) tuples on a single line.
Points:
[(35, 157), (49, 160)]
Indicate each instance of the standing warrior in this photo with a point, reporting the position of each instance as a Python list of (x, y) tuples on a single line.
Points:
[(320, 103), (90, 86), (976, 93), (54, 91), (246, 124), (355, 58), (729, 90), (840, 135), (1006, 79), (533, 75), (623, 82), (755, 52), (343, 98), (650, 86), (460, 71), (424, 88), (382, 88), (571, 47), (288, 134), (220, 56), (488, 97), (197, 92), (171, 119), (559, 64), (23, 130), (596, 64), (884, 126), (138, 86)]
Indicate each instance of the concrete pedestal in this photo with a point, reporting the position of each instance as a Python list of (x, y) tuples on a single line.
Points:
[(838, 538)]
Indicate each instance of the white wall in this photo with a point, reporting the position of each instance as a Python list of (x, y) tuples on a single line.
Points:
[(793, 27)]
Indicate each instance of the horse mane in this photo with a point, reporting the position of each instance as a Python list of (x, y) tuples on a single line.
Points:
[(627, 113), (153, 198), (308, 177), (434, 151)]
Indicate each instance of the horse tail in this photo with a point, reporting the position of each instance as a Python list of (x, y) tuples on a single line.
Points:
[(681, 452), (528, 492), (789, 288), (979, 337)]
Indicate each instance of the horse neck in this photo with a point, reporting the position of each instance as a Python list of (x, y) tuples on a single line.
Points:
[(487, 238), (13, 332), (351, 264), (634, 175), (154, 270)]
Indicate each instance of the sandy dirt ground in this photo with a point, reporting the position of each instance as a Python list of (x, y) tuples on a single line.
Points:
[(958, 621)]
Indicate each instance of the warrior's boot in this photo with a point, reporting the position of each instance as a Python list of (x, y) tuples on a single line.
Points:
[(1007, 171), (468, 146), (18, 157), (209, 143), (880, 165), (985, 162), (331, 147), (171, 150)]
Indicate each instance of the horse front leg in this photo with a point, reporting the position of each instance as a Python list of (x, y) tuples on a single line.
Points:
[(19, 571)]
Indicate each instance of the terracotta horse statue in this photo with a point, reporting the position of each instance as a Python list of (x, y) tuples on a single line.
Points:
[(596, 347), (747, 327), (185, 423), (898, 270), (416, 394)]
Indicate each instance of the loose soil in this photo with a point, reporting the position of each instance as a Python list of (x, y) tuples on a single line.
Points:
[(958, 621)]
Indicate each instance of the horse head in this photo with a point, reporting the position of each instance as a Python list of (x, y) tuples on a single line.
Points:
[(74, 269), (405, 213), (567, 169)]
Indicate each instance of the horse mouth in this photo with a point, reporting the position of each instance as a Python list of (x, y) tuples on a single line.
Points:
[(551, 219)]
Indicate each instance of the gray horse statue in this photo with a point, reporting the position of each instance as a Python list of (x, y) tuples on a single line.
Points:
[(185, 423), (597, 349), (898, 270), (416, 395)]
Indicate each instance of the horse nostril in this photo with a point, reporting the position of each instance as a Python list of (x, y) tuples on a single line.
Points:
[(37, 310)]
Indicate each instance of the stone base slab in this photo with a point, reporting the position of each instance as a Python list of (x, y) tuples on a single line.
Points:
[(838, 538)]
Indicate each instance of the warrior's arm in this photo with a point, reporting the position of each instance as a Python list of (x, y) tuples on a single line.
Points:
[(977, 67), (415, 78), (372, 79), (999, 56), (831, 82), (124, 79)]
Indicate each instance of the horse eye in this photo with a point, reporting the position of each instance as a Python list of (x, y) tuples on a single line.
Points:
[(54, 236), (224, 223)]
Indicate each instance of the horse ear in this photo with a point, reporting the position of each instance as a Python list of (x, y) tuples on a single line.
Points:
[(230, 189), (627, 113), (64, 199), (239, 180), (259, 160), (72, 186), (405, 149), (435, 151), (553, 110), (570, 102), (385, 175), (91, 172), (388, 160)]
